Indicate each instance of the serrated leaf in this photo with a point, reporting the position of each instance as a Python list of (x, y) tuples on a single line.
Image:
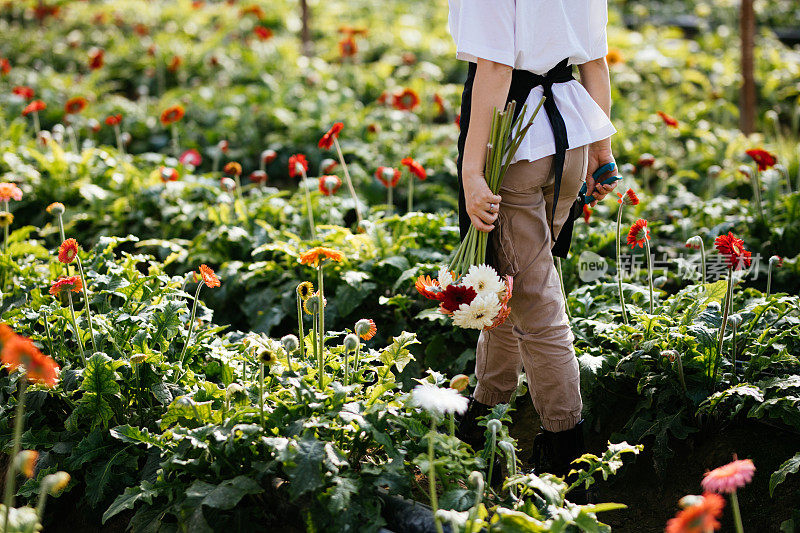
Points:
[(397, 353), (133, 435), (227, 494), (790, 466), (128, 499)]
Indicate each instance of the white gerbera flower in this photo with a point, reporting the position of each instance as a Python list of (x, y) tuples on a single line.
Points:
[(438, 401), (479, 314), (484, 280), (445, 277)]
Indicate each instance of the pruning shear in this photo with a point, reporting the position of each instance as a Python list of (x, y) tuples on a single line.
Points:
[(608, 167)]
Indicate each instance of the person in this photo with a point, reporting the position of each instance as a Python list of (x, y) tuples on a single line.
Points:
[(522, 50)]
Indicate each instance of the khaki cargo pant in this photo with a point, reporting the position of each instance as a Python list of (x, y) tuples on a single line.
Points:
[(537, 334)]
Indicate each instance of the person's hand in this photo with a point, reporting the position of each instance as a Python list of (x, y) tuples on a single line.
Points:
[(482, 205), (599, 155)]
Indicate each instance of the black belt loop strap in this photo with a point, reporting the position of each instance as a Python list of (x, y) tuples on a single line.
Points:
[(522, 82)]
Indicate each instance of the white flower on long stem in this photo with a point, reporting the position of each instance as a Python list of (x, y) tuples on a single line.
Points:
[(478, 314), (484, 280), (445, 278), (438, 401)]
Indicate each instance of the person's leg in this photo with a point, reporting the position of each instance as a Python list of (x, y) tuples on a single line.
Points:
[(497, 365), (540, 323)]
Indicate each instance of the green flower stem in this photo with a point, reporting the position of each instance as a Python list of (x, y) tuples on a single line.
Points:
[(47, 330), (561, 283), (619, 268), (118, 135), (703, 260), (301, 344), (737, 516), (725, 313), (314, 343), (86, 299), (649, 271), (8, 500), (389, 199), (355, 361), (191, 325), (432, 477), (309, 206), (346, 367), (348, 180), (769, 279), (680, 371), (75, 326), (36, 126), (410, 192), (176, 149), (491, 457), (321, 324), (63, 238), (452, 424), (261, 392), (755, 180)]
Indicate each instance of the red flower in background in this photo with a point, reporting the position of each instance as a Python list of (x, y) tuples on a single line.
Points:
[(646, 160), (455, 295), (75, 105), (348, 47), (763, 159), (587, 213), (254, 10), (329, 185), (668, 120), (25, 92), (263, 33), (327, 140), (113, 120), (233, 168), (268, 156), (209, 277), (440, 105), (62, 285), (629, 198), (174, 63), (258, 176), (5, 66), (68, 251), (733, 249), (639, 233), (406, 100), (296, 162), (20, 351), (172, 114), (191, 157), (96, 58), (167, 174), (700, 517), (388, 176), (415, 168), (34, 107)]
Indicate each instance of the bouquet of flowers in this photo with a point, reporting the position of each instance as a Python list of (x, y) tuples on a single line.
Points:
[(469, 291)]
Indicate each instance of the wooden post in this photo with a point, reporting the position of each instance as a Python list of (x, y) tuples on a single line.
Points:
[(747, 98), (305, 34)]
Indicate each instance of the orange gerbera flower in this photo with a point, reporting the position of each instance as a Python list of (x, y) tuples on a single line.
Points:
[(629, 198), (20, 351), (327, 140), (388, 176), (315, 255), (233, 168), (440, 105), (415, 168), (5, 66), (296, 162), (406, 100), (729, 477), (700, 517), (55, 208), (668, 120), (763, 159), (9, 191), (329, 185), (67, 251), (733, 249), (113, 120), (428, 287), (75, 105), (172, 114), (167, 174), (174, 63), (34, 107), (587, 213), (639, 233), (348, 47), (209, 277), (25, 92), (366, 328), (66, 284)]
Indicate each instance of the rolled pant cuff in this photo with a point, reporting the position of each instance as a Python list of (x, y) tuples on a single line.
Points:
[(491, 398), (560, 424)]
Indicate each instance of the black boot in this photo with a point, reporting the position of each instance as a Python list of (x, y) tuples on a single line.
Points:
[(553, 451), (468, 430)]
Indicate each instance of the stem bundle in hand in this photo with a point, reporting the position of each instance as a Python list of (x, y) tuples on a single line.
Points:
[(505, 136)]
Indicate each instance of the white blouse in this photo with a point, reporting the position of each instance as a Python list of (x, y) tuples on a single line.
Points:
[(535, 35)]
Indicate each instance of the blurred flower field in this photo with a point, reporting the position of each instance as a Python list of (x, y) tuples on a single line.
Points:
[(208, 265)]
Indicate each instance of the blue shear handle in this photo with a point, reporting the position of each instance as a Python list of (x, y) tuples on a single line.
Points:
[(608, 167)]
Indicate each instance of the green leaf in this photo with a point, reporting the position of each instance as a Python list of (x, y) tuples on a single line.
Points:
[(99, 382), (791, 466), (133, 435), (305, 468), (227, 494), (128, 499), (397, 353)]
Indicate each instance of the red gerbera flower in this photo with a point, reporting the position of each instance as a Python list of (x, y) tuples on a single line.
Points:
[(455, 295), (668, 120), (297, 162), (327, 140), (348, 47), (763, 159), (439, 101), (5, 66), (407, 100), (733, 249), (268, 156), (174, 63), (258, 176), (34, 107), (113, 120), (646, 160), (75, 105), (388, 176), (209, 277), (415, 168), (96, 56), (167, 174), (172, 114), (587, 213), (66, 284), (26, 92), (629, 198), (67, 251), (263, 33), (639, 233), (700, 517), (191, 157), (328, 185)]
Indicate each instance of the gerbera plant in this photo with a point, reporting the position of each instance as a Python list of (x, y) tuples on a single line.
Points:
[(414, 170), (331, 138), (316, 257), (67, 285), (389, 177), (67, 253), (629, 198), (33, 108), (170, 117), (639, 234), (366, 329), (726, 480), (210, 280), (298, 166), (773, 260), (696, 243), (303, 292)]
